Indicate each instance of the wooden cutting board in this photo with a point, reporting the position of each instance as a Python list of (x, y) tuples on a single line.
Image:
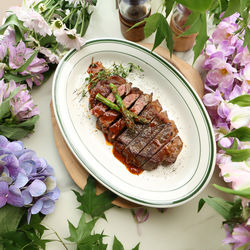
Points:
[(76, 170)]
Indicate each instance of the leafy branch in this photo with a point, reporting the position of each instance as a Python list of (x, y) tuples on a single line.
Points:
[(197, 21)]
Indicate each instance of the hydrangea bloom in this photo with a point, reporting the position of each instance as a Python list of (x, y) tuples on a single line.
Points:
[(32, 20), (25, 179)]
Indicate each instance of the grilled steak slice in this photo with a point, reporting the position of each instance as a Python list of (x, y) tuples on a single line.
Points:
[(103, 88), (101, 108), (145, 137), (161, 139), (129, 135), (167, 155), (111, 115), (116, 128)]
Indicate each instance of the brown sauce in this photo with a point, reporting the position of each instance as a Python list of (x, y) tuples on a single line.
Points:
[(131, 168)]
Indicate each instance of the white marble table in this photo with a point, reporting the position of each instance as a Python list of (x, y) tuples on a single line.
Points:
[(179, 228)]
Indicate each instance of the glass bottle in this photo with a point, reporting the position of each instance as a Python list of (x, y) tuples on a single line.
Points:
[(177, 24), (130, 13)]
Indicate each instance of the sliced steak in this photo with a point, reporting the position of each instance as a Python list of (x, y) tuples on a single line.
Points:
[(145, 137), (111, 115), (129, 135), (101, 108), (116, 128), (103, 88), (167, 155), (161, 139)]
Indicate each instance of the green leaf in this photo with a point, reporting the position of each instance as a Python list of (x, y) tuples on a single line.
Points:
[(117, 245), (13, 21), (194, 28), (243, 134), (9, 218), (242, 192), (27, 63), (247, 41), (159, 37), (233, 6), (201, 204), (17, 78), (5, 105), (201, 5), (243, 100), (219, 205), (238, 154), (92, 204), (136, 247), (17, 131), (168, 4), (192, 18), (169, 38), (82, 231), (48, 40), (152, 23), (201, 38)]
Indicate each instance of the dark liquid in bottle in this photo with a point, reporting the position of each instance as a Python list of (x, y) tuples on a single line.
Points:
[(135, 13)]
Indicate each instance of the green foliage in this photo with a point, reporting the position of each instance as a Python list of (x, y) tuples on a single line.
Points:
[(117, 245), (16, 131), (241, 192), (242, 133), (197, 21), (16, 234), (92, 204), (243, 100), (238, 155)]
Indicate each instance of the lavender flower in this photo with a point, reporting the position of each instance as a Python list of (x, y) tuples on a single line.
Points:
[(239, 237), (25, 179), (18, 56), (32, 20), (21, 105)]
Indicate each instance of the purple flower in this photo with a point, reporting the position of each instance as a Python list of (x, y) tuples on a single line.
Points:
[(21, 105), (25, 179), (10, 195), (18, 56), (239, 237)]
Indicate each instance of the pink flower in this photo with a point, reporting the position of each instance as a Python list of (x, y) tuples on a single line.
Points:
[(237, 173), (51, 57), (243, 57), (32, 20), (68, 38), (239, 237)]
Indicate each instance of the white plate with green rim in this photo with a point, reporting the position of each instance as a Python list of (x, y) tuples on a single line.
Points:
[(164, 186)]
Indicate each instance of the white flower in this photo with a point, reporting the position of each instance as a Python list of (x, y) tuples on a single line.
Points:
[(32, 20), (239, 116), (68, 38), (52, 57)]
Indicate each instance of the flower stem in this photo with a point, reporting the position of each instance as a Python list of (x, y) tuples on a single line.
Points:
[(77, 21), (65, 19), (51, 12), (83, 22)]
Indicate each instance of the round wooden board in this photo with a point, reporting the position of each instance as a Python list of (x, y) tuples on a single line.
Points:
[(76, 170)]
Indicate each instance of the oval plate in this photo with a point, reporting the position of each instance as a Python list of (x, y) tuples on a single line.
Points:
[(166, 186)]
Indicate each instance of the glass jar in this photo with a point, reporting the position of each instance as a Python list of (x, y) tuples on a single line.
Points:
[(130, 13), (177, 24)]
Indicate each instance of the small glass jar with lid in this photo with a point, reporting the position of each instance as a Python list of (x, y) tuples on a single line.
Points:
[(132, 12)]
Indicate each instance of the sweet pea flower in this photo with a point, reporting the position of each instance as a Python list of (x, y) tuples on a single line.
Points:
[(50, 56), (226, 29), (32, 20), (243, 57), (240, 237), (221, 73), (237, 173), (239, 116)]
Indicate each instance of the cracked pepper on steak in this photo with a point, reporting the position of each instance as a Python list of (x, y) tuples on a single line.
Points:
[(146, 146)]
